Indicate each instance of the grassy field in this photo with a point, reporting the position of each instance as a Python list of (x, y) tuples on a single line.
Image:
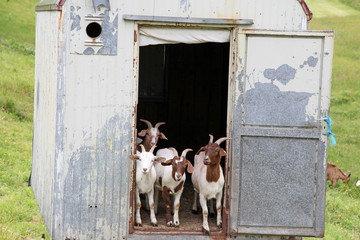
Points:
[(342, 220), (18, 209)]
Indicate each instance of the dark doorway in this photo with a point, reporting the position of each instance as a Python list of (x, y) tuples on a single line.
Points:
[(186, 86)]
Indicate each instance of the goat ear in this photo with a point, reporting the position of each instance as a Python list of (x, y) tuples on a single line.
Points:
[(134, 157), (201, 149), (159, 159), (167, 162), (162, 136), (222, 152), (190, 167), (142, 133)]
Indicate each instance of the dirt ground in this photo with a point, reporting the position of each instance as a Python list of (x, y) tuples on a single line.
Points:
[(189, 222)]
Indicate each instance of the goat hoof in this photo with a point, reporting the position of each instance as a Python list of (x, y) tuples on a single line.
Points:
[(195, 211), (154, 224), (169, 224), (206, 232), (219, 225), (138, 224), (176, 224), (212, 215)]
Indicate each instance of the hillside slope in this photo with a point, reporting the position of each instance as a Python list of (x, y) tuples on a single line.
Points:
[(18, 209)]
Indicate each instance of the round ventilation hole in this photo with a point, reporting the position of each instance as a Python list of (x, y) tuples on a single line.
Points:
[(93, 30)]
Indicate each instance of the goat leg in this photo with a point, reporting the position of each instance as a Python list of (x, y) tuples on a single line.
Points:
[(151, 203), (206, 229), (138, 206), (176, 208), (195, 203), (166, 197), (218, 208), (156, 201)]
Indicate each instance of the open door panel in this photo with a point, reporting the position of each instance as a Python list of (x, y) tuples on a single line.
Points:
[(278, 166)]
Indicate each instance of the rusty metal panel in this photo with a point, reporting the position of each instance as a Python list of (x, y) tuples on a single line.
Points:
[(43, 154), (267, 146)]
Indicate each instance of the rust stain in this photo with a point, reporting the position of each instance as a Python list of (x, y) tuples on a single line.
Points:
[(134, 64), (306, 9), (60, 21), (60, 4), (132, 177), (135, 37)]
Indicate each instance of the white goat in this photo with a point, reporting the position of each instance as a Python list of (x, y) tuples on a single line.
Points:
[(170, 179), (208, 179), (145, 179)]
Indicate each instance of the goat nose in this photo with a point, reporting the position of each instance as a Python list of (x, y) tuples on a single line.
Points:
[(206, 161), (145, 169)]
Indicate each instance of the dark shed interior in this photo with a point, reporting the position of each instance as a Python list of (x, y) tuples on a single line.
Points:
[(186, 86)]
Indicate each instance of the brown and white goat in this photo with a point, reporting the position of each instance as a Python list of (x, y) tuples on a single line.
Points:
[(151, 135), (208, 179), (145, 179), (333, 174), (170, 179)]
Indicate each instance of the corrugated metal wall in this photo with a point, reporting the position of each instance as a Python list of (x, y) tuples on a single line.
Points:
[(93, 171), (267, 14), (43, 155)]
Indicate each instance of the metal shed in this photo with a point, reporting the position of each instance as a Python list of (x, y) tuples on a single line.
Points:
[(247, 69)]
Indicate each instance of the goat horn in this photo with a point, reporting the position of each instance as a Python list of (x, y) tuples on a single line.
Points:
[(211, 138), (183, 154), (220, 140), (147, 122), (159, 124), (152, 149), (174, 151), (142, 148)]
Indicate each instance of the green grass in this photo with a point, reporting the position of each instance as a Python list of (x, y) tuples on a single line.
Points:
[(342, 217), (326, 8), (17, 41), (17, 20), (352, 3), (18, 209)]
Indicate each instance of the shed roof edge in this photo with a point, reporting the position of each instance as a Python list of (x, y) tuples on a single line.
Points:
[(56, 5), (49, 5), (306, 9)]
